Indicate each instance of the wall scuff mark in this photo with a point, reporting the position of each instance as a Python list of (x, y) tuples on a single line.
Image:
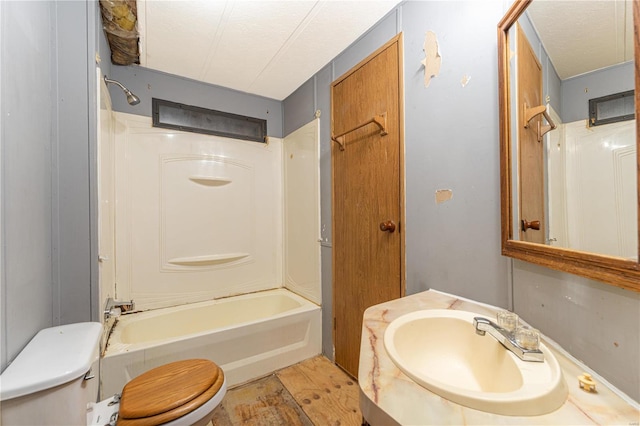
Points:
[(432, 60)]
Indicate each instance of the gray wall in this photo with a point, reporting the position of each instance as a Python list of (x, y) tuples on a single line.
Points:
[(597, 323), (451, 142), (451, 138), (27, 304), (70, 174), (47, 80), (577, 91), (147, 83)]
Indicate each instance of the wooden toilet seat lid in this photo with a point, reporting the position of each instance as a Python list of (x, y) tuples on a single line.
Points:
[(170, 391)]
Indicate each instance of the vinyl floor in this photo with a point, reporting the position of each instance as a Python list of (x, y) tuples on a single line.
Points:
[(313, 392)]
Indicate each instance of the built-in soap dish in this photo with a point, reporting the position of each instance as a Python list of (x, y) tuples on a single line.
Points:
[(210, 180)]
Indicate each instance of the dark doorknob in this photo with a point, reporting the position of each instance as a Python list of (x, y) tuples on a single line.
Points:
[(388, 226), (534, 224)]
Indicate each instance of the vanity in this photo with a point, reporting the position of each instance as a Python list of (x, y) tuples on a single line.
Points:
[(389, 396), (410, 372)]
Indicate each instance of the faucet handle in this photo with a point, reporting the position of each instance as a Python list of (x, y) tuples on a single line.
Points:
[(508, 320), (528, 338)]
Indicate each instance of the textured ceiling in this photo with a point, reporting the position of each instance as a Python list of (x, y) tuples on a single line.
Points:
[(582, 36), (263, 47)]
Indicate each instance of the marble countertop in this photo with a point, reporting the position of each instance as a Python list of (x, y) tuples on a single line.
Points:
[(388, 396)]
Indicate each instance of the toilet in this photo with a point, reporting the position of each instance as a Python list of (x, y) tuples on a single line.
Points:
[(55, 381)]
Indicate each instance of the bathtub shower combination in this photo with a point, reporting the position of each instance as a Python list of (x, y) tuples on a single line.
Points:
[(217, 243), (248, 336)]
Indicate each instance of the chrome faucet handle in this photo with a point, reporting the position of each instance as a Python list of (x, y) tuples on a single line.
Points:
[(507, 339)]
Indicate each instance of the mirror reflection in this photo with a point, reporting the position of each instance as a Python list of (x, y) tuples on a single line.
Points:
[(575, 167)]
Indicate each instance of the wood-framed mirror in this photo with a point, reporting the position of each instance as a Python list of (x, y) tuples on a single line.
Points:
[(533, 235)]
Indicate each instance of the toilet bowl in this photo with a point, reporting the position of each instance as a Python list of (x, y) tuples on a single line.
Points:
[(54, 381)]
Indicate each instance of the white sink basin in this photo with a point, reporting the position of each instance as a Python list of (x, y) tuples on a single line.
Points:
[(440, 350)]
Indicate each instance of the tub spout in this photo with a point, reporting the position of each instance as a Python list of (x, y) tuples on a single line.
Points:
[(113, 308)]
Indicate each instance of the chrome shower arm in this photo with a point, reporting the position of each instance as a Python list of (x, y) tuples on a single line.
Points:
[(131, 98), (108, 80)]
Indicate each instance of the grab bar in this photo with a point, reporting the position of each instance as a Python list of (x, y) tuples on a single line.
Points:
[(529, 113), (379, 120)]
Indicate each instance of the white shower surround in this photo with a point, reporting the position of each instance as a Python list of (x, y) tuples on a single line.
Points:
[(198, 219), (197, 216), (301, 176), (592, 181)]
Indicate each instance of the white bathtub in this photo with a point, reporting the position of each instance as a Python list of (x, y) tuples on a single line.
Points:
[(249, 336)]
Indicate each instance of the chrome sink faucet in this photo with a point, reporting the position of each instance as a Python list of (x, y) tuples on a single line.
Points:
[(508, 340)]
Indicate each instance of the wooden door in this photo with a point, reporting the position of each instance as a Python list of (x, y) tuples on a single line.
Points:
[(367, 195), (531, 160)]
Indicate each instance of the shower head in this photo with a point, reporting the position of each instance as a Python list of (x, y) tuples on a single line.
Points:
[(131, 98)]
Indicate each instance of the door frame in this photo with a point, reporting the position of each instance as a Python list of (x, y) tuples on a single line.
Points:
[(398, 38)]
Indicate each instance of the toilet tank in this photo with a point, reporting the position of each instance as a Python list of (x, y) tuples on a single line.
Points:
[(54, 377)]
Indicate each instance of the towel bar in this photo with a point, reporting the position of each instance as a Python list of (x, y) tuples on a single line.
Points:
[(379, 120), (529, 113)]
